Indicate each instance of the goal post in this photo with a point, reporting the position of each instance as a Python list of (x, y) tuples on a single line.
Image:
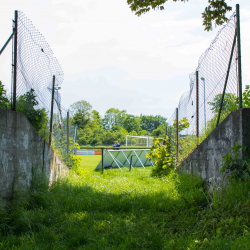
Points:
[(140, 140)]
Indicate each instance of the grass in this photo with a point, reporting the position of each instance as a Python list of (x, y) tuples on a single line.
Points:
[(126, 210)]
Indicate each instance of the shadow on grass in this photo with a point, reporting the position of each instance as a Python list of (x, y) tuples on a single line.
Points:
[(101, 212)]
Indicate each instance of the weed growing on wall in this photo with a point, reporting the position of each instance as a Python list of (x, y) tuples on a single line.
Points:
[(236, 164)]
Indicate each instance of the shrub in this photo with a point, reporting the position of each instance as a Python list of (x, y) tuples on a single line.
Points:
[(26, 105), (162, 157)]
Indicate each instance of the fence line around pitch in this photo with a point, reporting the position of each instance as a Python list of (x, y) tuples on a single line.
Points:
[(36, 75), (214, 92), (113, 148)]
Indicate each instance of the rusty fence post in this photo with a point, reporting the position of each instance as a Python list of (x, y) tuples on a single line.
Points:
[(239, 55), (51, 112), (197, 106)]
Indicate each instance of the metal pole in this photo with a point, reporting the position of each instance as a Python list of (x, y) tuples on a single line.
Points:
[(1, 51), (197, 106), (68, 133), (102, 161), (51, 111), (239, 54), (203, 79), (177, 135), (148, 141), (126, 140), (130, 163), (58, 131), (225, 85), (15, 63)]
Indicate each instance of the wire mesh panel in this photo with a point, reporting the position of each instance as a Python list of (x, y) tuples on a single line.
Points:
[(199, 107), (35, 68)]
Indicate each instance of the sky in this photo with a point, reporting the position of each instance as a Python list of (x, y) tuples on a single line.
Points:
[(114, 59)]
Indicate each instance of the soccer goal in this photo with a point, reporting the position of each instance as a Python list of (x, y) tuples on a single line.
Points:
[(139, 141)]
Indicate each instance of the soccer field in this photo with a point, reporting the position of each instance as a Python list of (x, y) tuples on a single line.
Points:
[(89, 162)]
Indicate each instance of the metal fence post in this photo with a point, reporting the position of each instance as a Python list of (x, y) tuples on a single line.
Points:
[(68, 133), (177, 135), (226, 80), (51, 112), (15, 63), (102, 161), (197, 106), (239, 55)]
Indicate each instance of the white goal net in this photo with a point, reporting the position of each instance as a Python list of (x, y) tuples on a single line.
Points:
[(139, 141)]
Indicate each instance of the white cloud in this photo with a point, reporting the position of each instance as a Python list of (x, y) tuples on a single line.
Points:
[(141, 62)]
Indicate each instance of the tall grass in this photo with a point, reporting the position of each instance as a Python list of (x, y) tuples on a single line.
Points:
[(126, 210)]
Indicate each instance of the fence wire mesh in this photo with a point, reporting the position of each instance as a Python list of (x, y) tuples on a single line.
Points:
[(212, 71), (35, 67)]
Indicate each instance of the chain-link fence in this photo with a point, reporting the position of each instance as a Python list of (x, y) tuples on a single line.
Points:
[(36, 80), (213, 94)]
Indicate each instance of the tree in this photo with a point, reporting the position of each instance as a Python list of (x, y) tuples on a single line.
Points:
[(81, 113), (150, 122), (113, 117), (80, 106), (159, 132), (216, 10), (229, 103), (132, 123)]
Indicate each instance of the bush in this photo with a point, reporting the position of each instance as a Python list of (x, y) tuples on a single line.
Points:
[(162, 157), (37, 117)]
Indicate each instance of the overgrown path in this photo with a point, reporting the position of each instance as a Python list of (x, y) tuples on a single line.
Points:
[(125, 210)]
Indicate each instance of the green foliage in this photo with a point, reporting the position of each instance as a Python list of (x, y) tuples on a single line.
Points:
[(236, 164), (126, 210), (116, 124), (113, 117), (216, 10), (229, 103), (182, 124), (26, 105), (151, 123), (159, 132), (4, 101), (131, 123), (246, 97), (162, 157), (76, 165)]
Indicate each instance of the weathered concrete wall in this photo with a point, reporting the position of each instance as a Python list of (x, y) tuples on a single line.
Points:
[(207, 157), (21, 149)]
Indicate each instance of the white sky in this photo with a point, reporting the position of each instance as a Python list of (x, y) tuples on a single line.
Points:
[(112, 58)]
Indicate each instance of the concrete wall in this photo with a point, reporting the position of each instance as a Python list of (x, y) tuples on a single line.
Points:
[(207, 157), (22, 148)]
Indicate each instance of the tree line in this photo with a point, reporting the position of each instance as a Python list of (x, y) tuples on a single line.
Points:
[(92, 129)]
